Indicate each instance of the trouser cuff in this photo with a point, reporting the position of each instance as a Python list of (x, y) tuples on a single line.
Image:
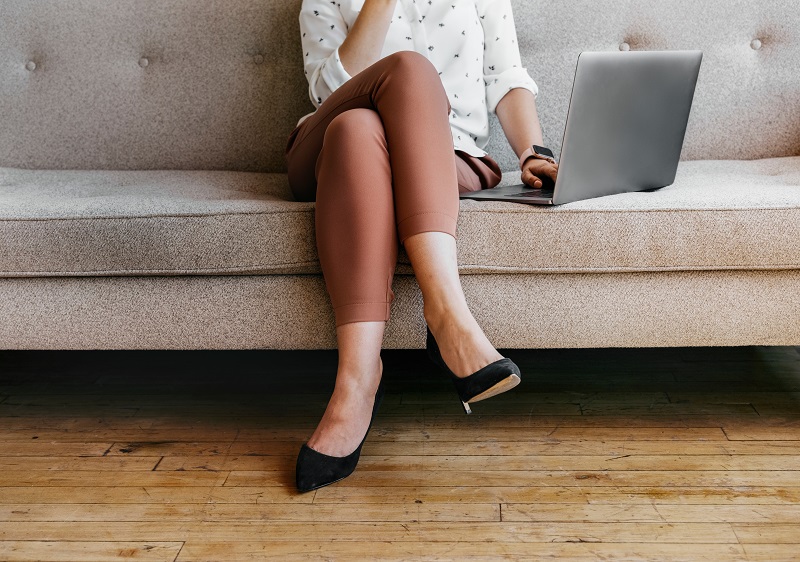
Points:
[(426, 222), (362, 312)]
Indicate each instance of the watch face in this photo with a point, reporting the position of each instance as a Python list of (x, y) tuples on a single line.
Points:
[(543, 151)]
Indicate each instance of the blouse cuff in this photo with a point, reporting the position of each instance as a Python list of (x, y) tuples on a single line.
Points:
[(333, 72), (499, 86)]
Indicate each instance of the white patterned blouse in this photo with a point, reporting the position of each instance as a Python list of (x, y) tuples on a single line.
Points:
[(472, 43)]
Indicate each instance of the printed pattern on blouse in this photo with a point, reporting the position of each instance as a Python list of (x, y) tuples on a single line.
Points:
[(472, 43)]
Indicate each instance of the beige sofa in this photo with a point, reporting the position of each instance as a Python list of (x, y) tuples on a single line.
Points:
[(144, 200)]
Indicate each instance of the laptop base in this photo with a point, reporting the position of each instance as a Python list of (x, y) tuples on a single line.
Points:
[(518, 193)]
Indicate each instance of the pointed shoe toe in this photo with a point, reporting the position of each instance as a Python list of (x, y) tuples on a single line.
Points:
[(315, 470)]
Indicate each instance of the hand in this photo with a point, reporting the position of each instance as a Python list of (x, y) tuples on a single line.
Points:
[(539, 173)]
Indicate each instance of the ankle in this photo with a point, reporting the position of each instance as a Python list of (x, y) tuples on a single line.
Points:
[(359, 377), (440, 317)]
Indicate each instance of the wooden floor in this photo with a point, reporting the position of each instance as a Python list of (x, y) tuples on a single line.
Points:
[(649, 454)]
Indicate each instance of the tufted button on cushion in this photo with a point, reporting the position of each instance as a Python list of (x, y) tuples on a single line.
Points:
[(167, 132), (258, 59), (755, 44), (30, 65), (143, 62)]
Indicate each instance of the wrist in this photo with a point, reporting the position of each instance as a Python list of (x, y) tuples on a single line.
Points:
[(536, 151)]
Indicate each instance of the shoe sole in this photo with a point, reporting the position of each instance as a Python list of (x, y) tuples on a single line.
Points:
[(304, 490), (506, 384)]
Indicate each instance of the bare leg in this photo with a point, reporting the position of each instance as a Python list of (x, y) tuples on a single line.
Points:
[(464, 346), (359, 372)]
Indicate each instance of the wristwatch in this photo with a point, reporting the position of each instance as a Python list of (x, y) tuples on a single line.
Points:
[(536, 151)]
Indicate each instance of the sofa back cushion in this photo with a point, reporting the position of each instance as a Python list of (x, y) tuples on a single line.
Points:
[(198, 84)]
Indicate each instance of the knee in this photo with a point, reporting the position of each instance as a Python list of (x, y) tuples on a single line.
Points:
[(409, 60), (416, 73), (355, 126), (412, 63)]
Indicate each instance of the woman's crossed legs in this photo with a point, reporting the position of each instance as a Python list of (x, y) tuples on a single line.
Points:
[(378, 159)]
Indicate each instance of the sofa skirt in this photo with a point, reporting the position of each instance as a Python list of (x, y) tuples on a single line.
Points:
[(583, 310)]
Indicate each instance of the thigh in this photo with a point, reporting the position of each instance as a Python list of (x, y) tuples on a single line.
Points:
[(476, 173), (303, 150), (305, 141)]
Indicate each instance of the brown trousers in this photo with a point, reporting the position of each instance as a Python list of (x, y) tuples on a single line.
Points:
[(378, 158)]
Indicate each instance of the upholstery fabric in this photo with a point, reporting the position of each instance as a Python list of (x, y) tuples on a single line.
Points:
[(144, 201), (693, 308), (146, 85), (717, 215)]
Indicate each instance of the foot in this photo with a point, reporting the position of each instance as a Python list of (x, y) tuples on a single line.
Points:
[(463, 345), (347, 416)]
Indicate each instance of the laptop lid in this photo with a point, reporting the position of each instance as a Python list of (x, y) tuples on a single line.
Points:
[(626, 122)]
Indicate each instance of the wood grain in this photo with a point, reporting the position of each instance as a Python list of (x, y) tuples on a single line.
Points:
[(639, 454)]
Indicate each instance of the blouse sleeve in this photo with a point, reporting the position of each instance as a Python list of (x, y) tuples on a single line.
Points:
[(502, 64), (322, 30)]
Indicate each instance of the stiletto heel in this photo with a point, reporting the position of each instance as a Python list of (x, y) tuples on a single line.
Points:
[(315, 470), (488, 381)]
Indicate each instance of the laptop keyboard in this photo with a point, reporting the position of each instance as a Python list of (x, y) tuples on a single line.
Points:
[(536, 193)]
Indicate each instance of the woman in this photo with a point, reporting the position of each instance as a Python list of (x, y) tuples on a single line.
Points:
[(402, 91)]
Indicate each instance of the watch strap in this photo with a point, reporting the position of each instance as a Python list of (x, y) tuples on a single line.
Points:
[(530, 152)]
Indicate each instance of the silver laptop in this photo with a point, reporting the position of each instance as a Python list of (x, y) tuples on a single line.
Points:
[(625, 127)]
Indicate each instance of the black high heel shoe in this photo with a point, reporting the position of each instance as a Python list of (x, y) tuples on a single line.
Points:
[(315, 469), (484, 383)]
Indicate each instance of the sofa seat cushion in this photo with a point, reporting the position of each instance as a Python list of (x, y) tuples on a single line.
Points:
[(152, 222), (717, 215)]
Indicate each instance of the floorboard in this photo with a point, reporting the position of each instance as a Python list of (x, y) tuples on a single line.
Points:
[(638, 454)]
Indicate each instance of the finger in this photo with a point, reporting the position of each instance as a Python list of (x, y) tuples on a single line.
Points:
[(532, 180), (527, 178), (545, 171)]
